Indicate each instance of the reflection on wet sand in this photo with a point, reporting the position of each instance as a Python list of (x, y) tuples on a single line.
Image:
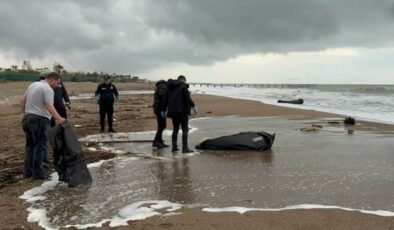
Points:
[(173, 181)]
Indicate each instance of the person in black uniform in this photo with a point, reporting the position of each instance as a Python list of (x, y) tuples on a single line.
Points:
[(60, 95), (160, 110), (106, 94), (179, 105)]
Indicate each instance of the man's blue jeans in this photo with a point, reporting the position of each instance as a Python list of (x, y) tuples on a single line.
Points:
[(34, 127)]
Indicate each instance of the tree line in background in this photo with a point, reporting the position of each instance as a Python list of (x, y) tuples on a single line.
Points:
[(27, 72)]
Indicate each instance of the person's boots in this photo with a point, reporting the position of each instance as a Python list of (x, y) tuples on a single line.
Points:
[(187, 150), (165, 145), (175, 148), (111, 130), (158, 145)]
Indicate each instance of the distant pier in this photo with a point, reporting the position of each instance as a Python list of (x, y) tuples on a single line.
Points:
[(280, 86)]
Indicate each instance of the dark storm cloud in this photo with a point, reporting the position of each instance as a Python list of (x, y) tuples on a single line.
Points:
[(131, 36)]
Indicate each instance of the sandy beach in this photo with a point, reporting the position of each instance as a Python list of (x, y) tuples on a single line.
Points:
[(133, 114)]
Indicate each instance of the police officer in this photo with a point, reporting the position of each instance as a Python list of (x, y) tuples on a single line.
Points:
[(106, 94)]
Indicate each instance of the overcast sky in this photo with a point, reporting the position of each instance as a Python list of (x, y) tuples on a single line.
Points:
[(254, 41)]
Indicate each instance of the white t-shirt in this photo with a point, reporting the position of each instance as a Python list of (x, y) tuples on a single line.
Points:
[(38, 94)]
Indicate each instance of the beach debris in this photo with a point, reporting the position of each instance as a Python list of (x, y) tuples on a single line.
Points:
[(299, 101), (317, 126), (350, 131), (349, 121), (310, 129), (209, 112), (92, 149), (78, 126), (103, 149), (333, 122)]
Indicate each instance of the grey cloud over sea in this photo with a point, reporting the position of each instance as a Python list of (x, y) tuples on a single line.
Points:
[(133, 36)]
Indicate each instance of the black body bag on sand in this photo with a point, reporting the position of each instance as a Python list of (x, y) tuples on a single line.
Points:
[(68, 159), (241, 141)]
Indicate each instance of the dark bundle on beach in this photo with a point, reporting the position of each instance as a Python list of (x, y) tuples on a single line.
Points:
[(349, 121), (296, 101), (69, 161), (241, 141)]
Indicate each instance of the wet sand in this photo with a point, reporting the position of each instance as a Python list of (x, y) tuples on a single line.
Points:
[(14, 214), (329, 167)]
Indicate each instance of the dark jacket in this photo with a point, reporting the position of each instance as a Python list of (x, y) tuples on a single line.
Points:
[(160, 97), (68, 159), (107, 93), (60, 93), (179, 100)]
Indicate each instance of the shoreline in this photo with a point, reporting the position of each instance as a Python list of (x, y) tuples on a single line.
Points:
[(141, 119), (254, 108)]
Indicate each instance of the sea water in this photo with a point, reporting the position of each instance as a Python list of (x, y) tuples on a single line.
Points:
[(368, 102)]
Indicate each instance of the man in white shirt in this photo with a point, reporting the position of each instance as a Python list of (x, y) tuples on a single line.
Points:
[(37, 105)]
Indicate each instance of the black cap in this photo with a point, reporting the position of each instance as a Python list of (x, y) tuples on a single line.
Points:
[(107, 77)]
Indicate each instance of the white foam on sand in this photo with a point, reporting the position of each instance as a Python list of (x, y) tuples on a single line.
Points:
[(142, 210), (132, 212), (131, 136), (242, 210), (36, 194), (98, 163), (135, 211)]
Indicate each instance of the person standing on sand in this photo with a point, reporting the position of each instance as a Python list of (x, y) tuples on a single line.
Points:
[(160, 110), (60, 95), (106, 94), (179, 105), (37, 106)]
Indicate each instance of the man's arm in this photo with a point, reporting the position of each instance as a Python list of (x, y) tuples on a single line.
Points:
[(65, 94), (54, 113), (163, 99), (23, 102), (97, 90), (189, 100), (116, 93)]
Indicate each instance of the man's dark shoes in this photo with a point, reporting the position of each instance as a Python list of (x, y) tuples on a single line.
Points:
[(174, 149), (40, 177), (45, 165), (165, 146), (111, 130), (187, 150), (102, 130), (158, 145)]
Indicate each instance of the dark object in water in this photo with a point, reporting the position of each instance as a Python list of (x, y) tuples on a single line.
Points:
[(349, 121), (317, 126), (68, 160), (241, 141), (296, 101)]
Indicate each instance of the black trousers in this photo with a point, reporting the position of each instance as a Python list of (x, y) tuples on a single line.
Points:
[(180, 120), (106, 110), (161, 125)]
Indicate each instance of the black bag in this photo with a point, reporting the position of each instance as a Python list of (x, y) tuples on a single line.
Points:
[(68, 159), (241, 141)]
